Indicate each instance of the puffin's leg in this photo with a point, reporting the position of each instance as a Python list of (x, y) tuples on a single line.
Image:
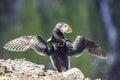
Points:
[(65, 62), (60, 63), (55, 63)]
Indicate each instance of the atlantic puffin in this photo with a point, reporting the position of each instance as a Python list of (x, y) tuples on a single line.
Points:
[(57, 47)]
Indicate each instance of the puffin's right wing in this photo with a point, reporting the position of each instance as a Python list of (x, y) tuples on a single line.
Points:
[(80, 44), (24, 43)]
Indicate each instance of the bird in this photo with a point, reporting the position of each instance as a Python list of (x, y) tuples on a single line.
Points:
[(58, 48)]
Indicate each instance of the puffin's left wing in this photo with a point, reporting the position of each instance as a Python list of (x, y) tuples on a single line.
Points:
[(80, 44), (24, 43)]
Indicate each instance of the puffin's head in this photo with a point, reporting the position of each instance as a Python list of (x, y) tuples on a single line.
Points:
[(63, 27)]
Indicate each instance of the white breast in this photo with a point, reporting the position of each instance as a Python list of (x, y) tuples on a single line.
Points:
[(49, 39)]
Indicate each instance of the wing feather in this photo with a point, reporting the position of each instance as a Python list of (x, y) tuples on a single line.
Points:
[(80, 44), (24, 43), (15, 44), (95, 49)]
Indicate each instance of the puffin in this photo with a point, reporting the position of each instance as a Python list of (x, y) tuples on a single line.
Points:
[(57, 47)]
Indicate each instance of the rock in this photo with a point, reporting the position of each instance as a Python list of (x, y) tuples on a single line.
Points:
[(73, 74), (3, 70), (20, 69)]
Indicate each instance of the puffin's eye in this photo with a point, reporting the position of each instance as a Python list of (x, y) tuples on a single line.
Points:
[(65, 25)]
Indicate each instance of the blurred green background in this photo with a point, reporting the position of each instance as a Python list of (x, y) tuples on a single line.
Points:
[(98, 20)]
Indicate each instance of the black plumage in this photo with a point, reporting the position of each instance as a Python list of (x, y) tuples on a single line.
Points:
[(57, 47)]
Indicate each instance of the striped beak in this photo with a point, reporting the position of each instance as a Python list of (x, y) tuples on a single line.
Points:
[(69, 30)]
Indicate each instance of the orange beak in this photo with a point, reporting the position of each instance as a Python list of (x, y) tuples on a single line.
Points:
[(69, 30)]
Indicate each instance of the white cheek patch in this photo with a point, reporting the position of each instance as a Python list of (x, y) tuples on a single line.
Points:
[(64, 29)]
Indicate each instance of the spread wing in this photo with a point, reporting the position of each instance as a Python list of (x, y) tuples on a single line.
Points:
[(80, 44), (24, 43)]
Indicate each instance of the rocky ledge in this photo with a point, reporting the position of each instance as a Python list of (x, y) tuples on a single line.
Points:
[(20, 69)]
